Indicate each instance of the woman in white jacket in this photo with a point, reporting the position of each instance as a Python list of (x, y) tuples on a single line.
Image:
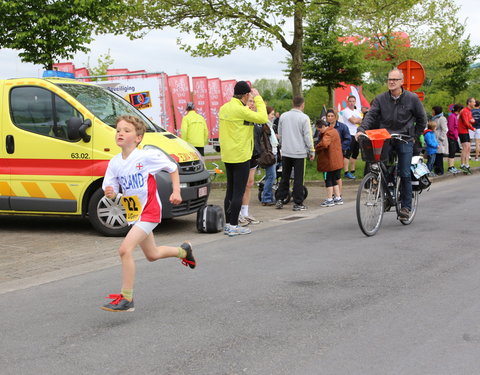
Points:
[(441, 134)]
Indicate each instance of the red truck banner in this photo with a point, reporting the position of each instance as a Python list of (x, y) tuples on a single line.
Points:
[(179, 86), (216, 101), (341, 95), (201, 98)]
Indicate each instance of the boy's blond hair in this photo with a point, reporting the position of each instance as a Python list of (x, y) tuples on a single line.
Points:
[(432, 125), (140, 127)]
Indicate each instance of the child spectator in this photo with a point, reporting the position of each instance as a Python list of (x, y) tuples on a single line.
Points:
[(133, 172), (431, 145), (329, 161)]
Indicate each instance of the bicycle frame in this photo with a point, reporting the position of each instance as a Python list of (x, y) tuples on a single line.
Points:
[(379, 190)]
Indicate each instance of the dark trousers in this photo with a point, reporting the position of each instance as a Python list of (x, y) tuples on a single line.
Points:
[(438, 164), (404, 153), (298, 166), (237, 178)]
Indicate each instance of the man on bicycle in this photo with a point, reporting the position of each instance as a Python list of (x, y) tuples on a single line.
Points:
[(400, 112)]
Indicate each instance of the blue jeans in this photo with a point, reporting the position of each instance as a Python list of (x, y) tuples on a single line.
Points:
[(431, 161), (404, 153), (270, 176)]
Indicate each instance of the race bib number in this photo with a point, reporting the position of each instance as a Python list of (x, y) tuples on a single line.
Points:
[(133, 207)]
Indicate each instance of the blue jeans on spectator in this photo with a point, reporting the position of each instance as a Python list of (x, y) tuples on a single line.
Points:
[(270, 176), (431, 161), (404, 153)]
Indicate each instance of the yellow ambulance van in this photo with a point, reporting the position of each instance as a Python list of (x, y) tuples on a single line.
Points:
[(56, 138)]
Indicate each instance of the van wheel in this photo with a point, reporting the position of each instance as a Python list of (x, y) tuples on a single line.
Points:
[(107, 216)]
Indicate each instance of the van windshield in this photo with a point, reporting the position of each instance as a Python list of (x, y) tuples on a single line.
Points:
[(105, 105)]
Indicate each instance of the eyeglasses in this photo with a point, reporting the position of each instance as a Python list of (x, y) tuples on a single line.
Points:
[(393, 79)]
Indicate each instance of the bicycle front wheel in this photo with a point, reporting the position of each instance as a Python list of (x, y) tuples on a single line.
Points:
[(413, 210), (370, 204)]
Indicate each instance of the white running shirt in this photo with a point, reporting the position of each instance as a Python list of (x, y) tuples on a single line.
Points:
[(135, 176)]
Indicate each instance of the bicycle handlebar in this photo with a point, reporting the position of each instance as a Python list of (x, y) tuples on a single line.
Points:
[(401, 137)]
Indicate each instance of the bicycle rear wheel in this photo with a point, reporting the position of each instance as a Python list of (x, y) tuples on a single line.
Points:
[(413, 210), (370, 204)]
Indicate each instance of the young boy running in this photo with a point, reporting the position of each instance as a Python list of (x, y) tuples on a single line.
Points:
[(133, 171)]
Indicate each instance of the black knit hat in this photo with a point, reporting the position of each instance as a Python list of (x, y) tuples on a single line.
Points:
[(241, 88)]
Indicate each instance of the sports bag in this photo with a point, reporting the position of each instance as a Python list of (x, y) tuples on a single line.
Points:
[(210, 219)]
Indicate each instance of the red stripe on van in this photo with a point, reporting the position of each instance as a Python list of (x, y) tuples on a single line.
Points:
[(53, 167)]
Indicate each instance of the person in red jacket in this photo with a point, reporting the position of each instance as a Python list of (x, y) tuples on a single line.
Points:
[(465, 123), (329, 161)]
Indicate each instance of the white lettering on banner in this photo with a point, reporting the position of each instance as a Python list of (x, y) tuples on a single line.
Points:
[(180, 87)]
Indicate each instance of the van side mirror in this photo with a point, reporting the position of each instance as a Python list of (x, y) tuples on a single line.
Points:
[(76, 129)]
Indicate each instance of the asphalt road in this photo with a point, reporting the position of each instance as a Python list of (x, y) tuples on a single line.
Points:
[(305, 294)]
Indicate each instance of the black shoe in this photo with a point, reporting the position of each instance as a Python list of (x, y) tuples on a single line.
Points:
[(189, 260), (119, 303), (279, 204), (404, 213), (299, 207)]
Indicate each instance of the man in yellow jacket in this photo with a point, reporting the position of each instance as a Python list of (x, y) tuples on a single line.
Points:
[(236, 146), (194, 129)]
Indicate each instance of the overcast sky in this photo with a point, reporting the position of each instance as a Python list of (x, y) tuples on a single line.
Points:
[(158, 51)]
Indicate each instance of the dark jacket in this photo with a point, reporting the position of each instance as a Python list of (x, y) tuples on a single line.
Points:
[(404, 115), (329, 151), (344, 134), (257, 136)]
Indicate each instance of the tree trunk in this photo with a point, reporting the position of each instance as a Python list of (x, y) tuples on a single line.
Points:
[(330, 97), (296, 50)]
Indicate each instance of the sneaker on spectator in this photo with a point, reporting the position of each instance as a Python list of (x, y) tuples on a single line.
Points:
[(226, 229), (238, 230), (338, 200), (328, 203), (279, 204), (242, 221), (350, 175), (299, 207), (252, 220)]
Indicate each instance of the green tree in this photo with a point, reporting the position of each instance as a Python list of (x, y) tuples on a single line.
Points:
[(221, 26), (327, 61), (103, 63), (380, 21), (460, 71), (46, 31), (316, 98)]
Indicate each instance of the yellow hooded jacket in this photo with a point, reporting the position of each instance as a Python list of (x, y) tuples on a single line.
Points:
[(236, 137), (194, 129)]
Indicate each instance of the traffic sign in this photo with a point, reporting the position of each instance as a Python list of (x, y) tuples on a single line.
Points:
[(413, 74)]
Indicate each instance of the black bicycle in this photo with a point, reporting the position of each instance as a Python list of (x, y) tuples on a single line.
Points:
[(379, 190)]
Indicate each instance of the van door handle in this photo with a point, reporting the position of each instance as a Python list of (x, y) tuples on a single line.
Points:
[(10, 144)]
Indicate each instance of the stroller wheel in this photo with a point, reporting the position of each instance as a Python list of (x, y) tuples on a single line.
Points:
[(305, 192)]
